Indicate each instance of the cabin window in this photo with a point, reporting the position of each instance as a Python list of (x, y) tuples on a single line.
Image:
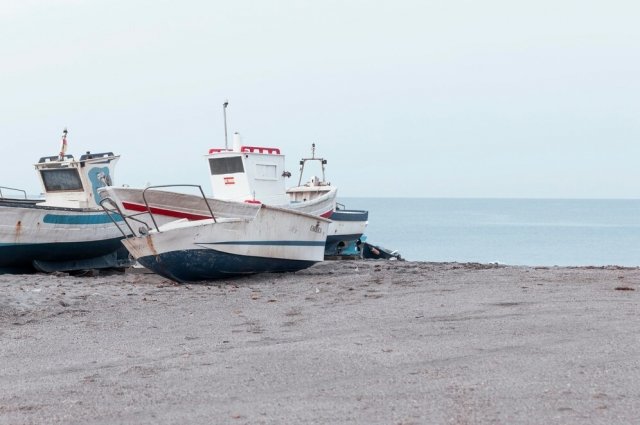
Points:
[(266, 172), (226, 165), (61, 179)]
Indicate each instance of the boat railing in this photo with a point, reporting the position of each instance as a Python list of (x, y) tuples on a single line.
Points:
[(90, 155), (164, 186), (114, 212), (24, 193)]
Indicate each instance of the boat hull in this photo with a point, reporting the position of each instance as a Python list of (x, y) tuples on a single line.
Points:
[(275, 240), (31, 233), (323, 205), (347, 226), (210, 264)]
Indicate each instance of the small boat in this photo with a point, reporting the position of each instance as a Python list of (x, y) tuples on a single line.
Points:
[(347, 226), (67, 230), (376, 252), (235, 238), (257, 174)]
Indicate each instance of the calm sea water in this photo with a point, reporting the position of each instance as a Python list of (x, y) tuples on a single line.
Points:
[(511, 231)]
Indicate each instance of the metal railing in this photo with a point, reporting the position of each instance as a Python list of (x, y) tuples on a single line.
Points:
[(112, 209), (144, 198), (24, 193)]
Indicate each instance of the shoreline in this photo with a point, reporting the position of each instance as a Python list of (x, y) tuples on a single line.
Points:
[(360, 341)]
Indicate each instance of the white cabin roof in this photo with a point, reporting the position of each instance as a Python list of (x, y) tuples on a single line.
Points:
[(70, 183)]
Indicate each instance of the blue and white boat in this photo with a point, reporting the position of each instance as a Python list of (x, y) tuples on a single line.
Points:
[(236, 238), (67, 229)]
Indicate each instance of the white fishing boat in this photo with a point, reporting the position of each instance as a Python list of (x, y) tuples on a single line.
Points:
[(67, 229), (257, 174), (234, 238), (347, 225)]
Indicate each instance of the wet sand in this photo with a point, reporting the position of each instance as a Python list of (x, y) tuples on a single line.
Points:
[(363, 342)]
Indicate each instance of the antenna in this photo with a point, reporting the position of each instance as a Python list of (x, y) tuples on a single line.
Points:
[(224, 112)]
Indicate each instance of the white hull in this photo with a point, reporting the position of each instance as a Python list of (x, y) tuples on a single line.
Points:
[(34, 233), (170, 206), (274, 240), (337, 228), (67, 230), (322, 206)]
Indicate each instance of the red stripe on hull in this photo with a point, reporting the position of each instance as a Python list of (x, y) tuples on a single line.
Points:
[(163, 211)]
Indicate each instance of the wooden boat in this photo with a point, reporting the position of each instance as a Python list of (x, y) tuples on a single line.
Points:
[(235, 238), (257, 174), (67, 230)]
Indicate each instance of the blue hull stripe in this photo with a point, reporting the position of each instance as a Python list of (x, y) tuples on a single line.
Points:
[(349, 215), (80, 219), (266, 243)]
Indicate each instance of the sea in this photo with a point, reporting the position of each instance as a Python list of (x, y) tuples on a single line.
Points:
[(533, 232)]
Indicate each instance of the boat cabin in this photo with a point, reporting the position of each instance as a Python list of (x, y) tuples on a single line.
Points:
[(248, 174), (257, 174), (70, 183)]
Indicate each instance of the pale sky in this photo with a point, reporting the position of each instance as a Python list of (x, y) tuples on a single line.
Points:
[(404, 98)]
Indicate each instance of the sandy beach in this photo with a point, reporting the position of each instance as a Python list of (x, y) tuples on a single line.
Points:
[(352, 342)]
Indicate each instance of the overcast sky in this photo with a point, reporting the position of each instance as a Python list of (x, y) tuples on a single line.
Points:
[(446, 98)]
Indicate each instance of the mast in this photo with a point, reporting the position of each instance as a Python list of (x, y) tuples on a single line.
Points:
[(63, 145), (323, 162), (224, 112)]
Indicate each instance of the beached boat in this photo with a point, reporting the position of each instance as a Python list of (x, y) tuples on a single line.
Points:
[(67, 230), (376, 252), (234, 238), (347, 225), (257, 174)]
